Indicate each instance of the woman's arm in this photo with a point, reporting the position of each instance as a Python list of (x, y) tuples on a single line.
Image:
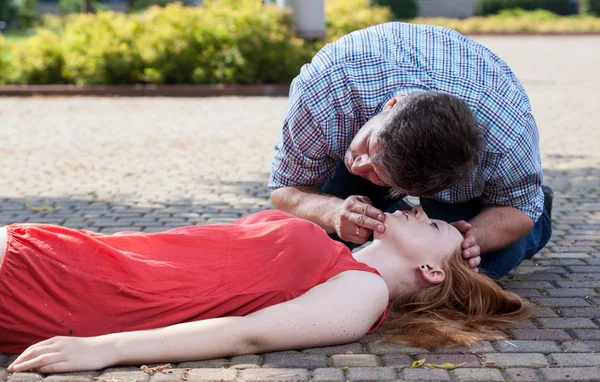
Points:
[(339, 311)]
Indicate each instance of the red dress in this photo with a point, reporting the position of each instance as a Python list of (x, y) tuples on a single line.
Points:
[(60, 281)]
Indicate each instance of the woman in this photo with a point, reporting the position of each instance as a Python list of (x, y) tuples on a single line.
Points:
[(267, 282)]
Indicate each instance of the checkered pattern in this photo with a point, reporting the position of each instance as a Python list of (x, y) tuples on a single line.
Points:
[(349, 81)]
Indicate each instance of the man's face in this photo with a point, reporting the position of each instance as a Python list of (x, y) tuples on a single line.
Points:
[(363, 148)]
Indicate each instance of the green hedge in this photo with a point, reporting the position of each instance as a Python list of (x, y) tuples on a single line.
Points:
[(490, 7), (401, 9), (591, 6), (224, 41)]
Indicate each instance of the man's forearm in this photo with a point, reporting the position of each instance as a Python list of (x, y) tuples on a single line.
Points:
[(307, 203), (497, 227)]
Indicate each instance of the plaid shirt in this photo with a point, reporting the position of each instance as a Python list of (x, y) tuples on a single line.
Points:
[(350, 80)]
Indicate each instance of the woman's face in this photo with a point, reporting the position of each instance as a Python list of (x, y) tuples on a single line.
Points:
[(418, 238)]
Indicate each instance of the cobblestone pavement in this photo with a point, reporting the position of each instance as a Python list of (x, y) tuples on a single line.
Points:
[(152, 164)]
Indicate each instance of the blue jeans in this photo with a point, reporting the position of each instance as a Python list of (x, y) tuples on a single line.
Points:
[(495, 265)]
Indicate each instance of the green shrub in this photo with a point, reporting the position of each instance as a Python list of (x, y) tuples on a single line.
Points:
[(29, 15), (76, 6), (3, 60), (345, 16), (8, 12), (401, 9), (560, 7), (591, 6), (100, 49), (37, 60)]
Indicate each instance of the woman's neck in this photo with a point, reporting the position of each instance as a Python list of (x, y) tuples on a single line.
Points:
[(398, 276)]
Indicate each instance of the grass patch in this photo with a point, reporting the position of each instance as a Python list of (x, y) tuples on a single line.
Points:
[(15, 36)]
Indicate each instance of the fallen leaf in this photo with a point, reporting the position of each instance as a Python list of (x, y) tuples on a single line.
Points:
[(153, 370), (418, 363), (446, 366), (489, 364)]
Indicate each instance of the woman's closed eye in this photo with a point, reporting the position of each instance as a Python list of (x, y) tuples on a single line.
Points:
[(435, 225)]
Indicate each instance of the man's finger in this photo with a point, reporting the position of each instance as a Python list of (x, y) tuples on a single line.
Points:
[(462, 226), (369, 210), (363, 220), (474, 262)]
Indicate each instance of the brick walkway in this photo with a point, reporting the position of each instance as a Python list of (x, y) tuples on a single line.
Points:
[(152, 164)]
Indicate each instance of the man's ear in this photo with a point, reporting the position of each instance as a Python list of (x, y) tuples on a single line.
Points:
[(390, 104), (432, 275)]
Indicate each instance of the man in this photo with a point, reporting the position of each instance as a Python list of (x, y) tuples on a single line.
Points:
[(401, 109)]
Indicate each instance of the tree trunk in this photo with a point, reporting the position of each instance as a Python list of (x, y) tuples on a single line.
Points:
[(130, 5), (87, 6)]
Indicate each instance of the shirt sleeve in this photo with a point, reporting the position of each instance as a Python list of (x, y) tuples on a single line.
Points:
[(302, 153), (517, 180)]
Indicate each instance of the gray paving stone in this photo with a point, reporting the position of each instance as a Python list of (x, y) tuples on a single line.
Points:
[(354, 360), (457, 359), (246, 361), (353, 348), (211, 363), (426, 375), (570, 292), (484, 374), (570, 374), (294, 360), (284, 375), (544, 312), (73, 377), (395, 360), (327, 375), (371, 374), (562, 302), (574, 360), (566, 323), (540, 334), (3, 374), (388, 348), (581, 346), (522, 375), (517, 360), (127, 374), (25, 377), (590, 312), (481, 347), (517, 346)]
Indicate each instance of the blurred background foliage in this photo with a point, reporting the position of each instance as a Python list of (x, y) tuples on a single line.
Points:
[(224, 41)]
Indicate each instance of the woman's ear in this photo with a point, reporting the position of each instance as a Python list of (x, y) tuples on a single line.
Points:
[(432, 275)]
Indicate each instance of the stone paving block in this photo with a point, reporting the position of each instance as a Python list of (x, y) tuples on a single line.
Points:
[(484, 374), (457, 359), (3, 374), (517, 359), (562, 302), (586, 334), (353, 348), (536, 277), (211, 363), (89, 376), (426, 375), (387, 348), (25, 377), (584, 268), (517, 346), (581, 346), (570, 374), (327, 375), (371, 374), (589, 312), (395, 360), (522, 375), (573, 360), (354, 360), (481, 347), (570, 292), (246, 361), (129, 375), (578, 283), (264, 375), (565, 323), (294, 360), (540, 334), (523, 325), (544, 312), (528, 284), (527, 292), (583, 276)]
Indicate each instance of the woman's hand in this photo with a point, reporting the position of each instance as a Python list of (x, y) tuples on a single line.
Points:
[(64, 354)]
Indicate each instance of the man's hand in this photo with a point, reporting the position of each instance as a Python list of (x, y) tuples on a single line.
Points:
[(356, 219), (471, 250), (64, 354)]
